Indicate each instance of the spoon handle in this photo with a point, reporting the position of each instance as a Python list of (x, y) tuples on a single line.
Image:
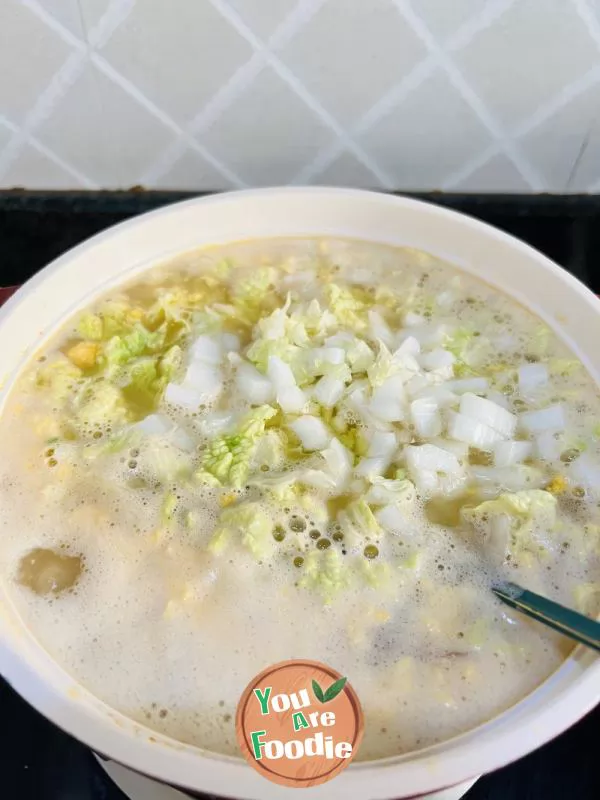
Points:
[(564, 620)]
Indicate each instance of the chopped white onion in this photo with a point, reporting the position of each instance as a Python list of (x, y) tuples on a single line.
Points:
[(230, 342), (204, 378), (383, 444), (215, 422), (184, 396), (320, 358), (551, 418), (513, 479), (391, 518), (512, 452), (426, 418), (182, 440), (547, 446), (328, 390), (312, 432), (388, 400), (427, 335), (445, 299), (339, 461), (488, 413), (498, 398), (437, 359), (438, 393), (292, 400), (155, 425), (532, 377), (585, 472), (255, 387), (461, 385), (459, 449), (207, 350), (379, 328), (430, 458), (289, 396), (466, 429), (372, 467), (409, 347), (280, 374), (411, 319)]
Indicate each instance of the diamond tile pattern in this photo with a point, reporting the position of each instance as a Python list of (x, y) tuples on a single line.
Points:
[(470, 95)]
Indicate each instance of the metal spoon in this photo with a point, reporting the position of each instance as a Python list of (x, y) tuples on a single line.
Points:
[(564, 620)]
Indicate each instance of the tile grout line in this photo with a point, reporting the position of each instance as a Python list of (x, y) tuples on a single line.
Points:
[(296, 85), (226, 95), (417, 75), (467, 93), (60, 81)]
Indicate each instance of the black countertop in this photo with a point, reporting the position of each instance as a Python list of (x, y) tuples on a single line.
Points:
[(40, 762)]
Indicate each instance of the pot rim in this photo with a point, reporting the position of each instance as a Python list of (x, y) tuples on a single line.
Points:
[(483, 749)]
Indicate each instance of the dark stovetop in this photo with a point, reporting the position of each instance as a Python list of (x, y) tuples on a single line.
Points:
[(40, 762)]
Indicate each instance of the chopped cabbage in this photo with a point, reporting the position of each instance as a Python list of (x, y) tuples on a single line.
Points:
[(227, 458), (248, 524)]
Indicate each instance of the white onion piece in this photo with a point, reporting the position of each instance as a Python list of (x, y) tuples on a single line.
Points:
[(427, 335), (318, 359), (430, 458), (155, 425), (409, 347), (255, 387), (230, 342), (328, 390), (438, 393), (339, 461), (280, 374), (551, 418), (489, 413), (207, 350), (513, 478), (291, 398), (204, 378), (182, 440), (391, 518), (466, 429), (312, 432), (318, 479), (411, 319), (215, 422), (388, 400), (532, 377), (461, 385), (426, 418), (184, 396), (372, 467), (584, 471), (379, 328), (459, 449), (445, 299), (383, 445), (508, 453), (437, 359), (498, 398), (547, 446), (417, 384)]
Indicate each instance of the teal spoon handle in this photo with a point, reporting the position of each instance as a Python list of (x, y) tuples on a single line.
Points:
[(564, 620)]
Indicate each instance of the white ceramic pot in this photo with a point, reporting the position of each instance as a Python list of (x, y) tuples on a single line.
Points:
[(73, 280)]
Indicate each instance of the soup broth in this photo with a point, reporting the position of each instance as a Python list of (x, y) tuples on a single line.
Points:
[(319, 449)]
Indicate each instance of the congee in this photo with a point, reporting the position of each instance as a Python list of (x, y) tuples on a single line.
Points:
[(323, 449)]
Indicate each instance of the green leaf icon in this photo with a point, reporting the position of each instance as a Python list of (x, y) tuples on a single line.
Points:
[(334, 690), (318, 692)]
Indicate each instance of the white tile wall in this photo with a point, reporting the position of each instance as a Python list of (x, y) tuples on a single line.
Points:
[(465, 95)]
